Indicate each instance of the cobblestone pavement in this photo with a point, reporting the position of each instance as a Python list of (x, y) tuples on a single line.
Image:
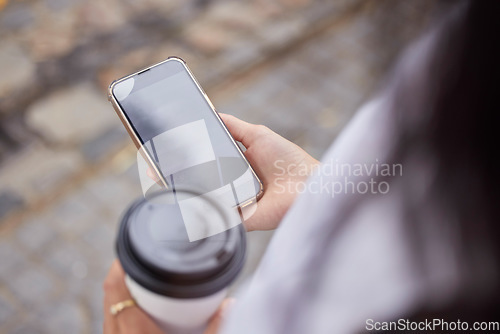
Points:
[(67, 167)]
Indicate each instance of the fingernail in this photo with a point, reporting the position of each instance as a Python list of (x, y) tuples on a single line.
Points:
[(226, 306)]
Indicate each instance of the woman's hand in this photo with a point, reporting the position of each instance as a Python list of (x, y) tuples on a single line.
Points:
[(133, 320), (279, 163)]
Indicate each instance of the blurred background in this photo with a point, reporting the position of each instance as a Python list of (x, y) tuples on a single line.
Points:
[(67, 167)]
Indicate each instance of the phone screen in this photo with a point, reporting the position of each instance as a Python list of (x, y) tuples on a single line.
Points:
[(181, 133)]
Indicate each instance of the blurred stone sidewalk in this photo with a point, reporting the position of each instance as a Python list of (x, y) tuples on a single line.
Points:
[(53, 110), (301, 69)]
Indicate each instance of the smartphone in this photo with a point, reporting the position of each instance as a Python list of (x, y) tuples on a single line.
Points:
[(180, 135)]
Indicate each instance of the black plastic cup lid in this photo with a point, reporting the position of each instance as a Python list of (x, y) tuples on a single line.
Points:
[(154, 249)]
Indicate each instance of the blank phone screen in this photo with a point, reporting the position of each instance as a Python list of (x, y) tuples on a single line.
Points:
[(182, 134)]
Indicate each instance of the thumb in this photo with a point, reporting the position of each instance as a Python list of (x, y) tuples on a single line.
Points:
[(244, 132), (217, 319)]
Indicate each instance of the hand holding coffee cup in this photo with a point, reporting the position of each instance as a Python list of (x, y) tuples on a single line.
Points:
[(132, 319), (179, 283)]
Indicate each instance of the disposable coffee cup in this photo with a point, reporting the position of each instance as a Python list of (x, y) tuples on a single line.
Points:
[(178, 282)]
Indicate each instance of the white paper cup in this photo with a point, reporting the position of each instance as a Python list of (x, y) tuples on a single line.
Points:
[(179, 283)]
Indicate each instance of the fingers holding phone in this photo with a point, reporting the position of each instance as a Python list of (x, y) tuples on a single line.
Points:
[(275, 160)]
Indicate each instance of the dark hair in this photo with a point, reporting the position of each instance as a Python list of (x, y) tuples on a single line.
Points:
[(444, 113), (454, 122)]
